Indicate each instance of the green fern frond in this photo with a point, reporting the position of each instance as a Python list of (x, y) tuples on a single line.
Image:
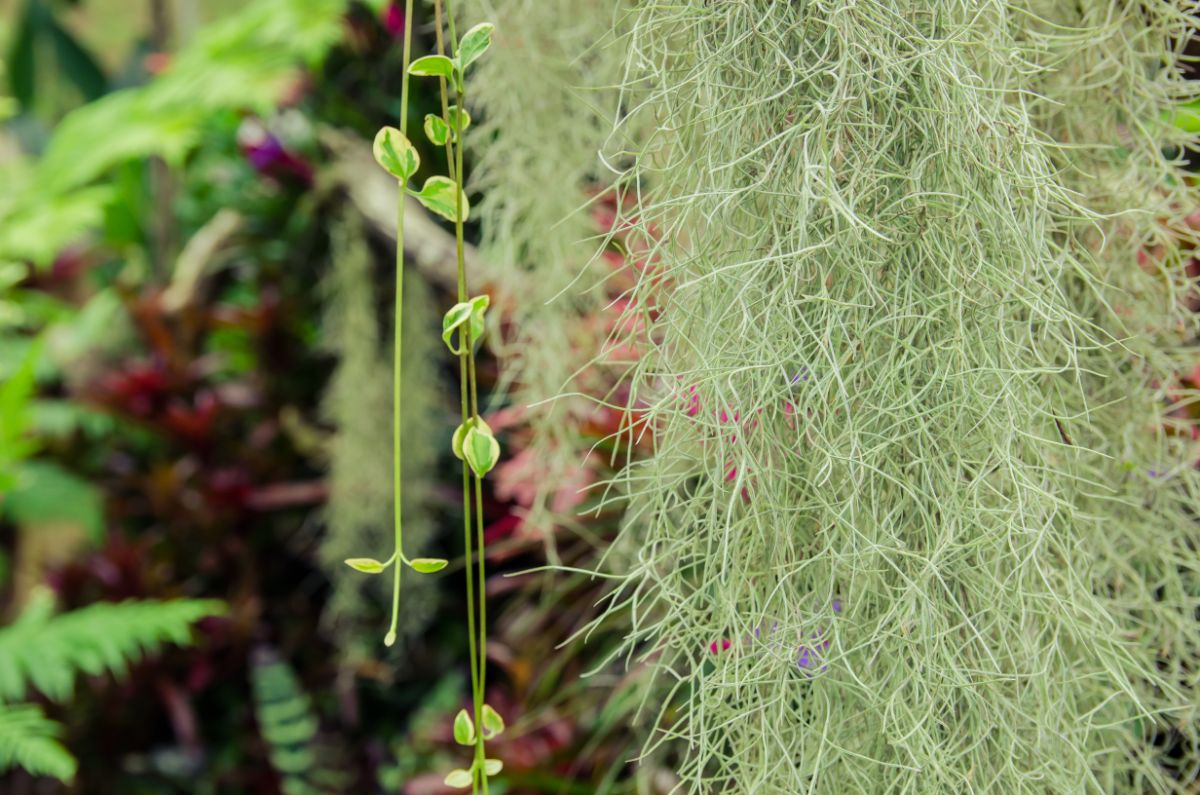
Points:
[(45, 652), (29, 740), (287, 723)]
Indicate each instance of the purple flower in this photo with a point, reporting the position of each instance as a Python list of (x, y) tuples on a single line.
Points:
[(393, 20), (268, 156)]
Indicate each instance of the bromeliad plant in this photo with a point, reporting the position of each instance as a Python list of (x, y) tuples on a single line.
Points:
[(462, 330)]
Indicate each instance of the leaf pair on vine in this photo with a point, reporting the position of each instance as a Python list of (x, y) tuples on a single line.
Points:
[(465, 317), (474, 442), (473, 44), (464, 734), (439, 132), (396, 154), (419, 565)]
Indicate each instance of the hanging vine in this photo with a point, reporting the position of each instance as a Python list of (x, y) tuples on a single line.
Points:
[(463, 328)]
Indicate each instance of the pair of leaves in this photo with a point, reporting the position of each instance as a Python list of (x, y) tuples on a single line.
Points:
[(462, 779), (419, 565), (460, 433), (473, 44), (398, 157), (439, 132), (464, 727), (480, 450), (464, 734), (474, 442), (469, 314)]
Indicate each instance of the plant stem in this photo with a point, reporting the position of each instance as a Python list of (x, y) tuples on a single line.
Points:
[(397, 347), (468, 394), (481, 587)]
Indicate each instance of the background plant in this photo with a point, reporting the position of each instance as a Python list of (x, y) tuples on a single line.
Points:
[(197, 315), (46, 652), (865, 554), (462, 329)]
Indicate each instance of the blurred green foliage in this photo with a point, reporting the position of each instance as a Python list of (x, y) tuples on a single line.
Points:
[(45, 652), (193, 401)]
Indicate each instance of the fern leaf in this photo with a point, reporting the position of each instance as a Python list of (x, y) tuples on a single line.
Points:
[(29, 740), (288, 724), (45, 652)]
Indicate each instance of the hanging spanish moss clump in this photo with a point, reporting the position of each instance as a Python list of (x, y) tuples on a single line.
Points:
[(546, 97), (358, 405), (913, 522), (1108, 76)]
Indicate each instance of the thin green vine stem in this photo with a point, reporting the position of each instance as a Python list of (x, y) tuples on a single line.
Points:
[(441, 48), (481, 587), (476, 595), (398, 349), (463, 370)]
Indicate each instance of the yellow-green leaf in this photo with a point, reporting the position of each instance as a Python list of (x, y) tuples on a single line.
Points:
[(366, 565), (428, 565), (464, 729), (474, 43), (438, 196), (396, 154), (481, 451), (456, 441), (436, 130), (432, 66), (458, 778), (493, 724)]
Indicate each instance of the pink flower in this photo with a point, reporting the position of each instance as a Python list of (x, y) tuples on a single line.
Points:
[(725, 644), (393, 20)]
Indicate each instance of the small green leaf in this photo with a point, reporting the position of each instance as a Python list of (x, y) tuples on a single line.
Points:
[(452, 114), (464, 729), (492, 766), (366, 565), (456, 441), (474, 43), (481, 451), (1185, 116), (439, 132), (458, 778), (436, 130), (396, 154), (479, 305), (455, 317), (438, 196), (493, 724), (471, 312), (428, 565), (432, 66)]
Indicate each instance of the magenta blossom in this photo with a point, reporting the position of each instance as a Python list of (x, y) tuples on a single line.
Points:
[(393, 20)]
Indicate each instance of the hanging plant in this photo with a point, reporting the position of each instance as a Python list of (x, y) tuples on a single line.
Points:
[(463, 328)]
